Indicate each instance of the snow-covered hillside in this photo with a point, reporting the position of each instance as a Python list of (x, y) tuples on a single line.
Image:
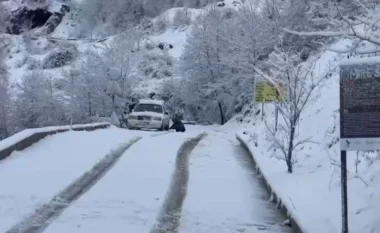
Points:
[(51, 41), (312, 192), (30, 51)]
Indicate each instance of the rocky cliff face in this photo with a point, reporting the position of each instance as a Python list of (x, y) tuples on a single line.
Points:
[(23, 16)]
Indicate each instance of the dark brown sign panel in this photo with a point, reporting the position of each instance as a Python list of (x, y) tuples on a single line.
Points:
[(360, 100)]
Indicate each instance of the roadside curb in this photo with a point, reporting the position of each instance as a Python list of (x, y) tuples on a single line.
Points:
[(43, 216), (38, 134), (296, 227)]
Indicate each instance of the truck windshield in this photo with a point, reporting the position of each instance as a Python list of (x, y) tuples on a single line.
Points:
[(148, 108)]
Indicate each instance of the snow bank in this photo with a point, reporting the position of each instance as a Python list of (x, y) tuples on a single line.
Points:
[(23, 135), (312, 193)]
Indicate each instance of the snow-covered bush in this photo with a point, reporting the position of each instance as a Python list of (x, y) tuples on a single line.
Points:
[(156, 65), (20, 62), (33, 63), (181, 18), (149, 45), (161, 23), (61, 57)]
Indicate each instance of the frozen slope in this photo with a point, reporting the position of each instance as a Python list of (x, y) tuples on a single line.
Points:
[(130, 196), (33, 176), (225, 193)]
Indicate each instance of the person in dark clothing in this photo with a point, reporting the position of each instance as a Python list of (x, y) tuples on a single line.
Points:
[(178, 126), (132, 104), (131, 107)]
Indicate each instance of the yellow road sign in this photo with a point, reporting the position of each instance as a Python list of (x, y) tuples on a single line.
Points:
[(266, 92)]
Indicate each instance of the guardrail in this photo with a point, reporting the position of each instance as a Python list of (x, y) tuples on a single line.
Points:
[(27, 137)]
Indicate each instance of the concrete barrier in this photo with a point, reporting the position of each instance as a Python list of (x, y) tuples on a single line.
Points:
[(28, 137), (274, 197)]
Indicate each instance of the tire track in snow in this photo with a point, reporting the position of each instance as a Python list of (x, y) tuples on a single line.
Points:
[(169, 218), (45, 215), (158, 134)]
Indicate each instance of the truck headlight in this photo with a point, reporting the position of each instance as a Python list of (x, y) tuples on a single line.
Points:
[(132, 117)]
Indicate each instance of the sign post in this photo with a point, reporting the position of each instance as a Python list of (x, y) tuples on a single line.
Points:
[(359, 115), (267, 93)]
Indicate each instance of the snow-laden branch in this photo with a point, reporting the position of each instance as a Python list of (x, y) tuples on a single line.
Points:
[(363, 28), (318, 33)]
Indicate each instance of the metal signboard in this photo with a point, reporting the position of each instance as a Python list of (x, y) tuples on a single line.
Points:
[(360, 105)]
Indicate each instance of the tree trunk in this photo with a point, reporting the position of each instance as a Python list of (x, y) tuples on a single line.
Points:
[(290, 149), (4, 123), (222, 117), (113, 102), (89, 105)]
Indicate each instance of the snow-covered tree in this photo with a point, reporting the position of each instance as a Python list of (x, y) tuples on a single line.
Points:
[(113, 90), (105, 68), (3, 15), (4, 99), (361, 26), (295, 82), (118, 15), (70, 85), (38, 102), (203, 64)]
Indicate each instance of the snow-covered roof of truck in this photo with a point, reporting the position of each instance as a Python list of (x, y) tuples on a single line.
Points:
[(150, 101)]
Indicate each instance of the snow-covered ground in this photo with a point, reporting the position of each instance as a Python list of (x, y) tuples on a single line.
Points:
[(177, 38), (312, 191), (224, 192), (130, 196), (33, 176)]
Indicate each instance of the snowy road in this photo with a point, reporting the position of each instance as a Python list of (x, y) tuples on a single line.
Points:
[(32, 177), (130, 197), (165, 182), (224, 192)]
